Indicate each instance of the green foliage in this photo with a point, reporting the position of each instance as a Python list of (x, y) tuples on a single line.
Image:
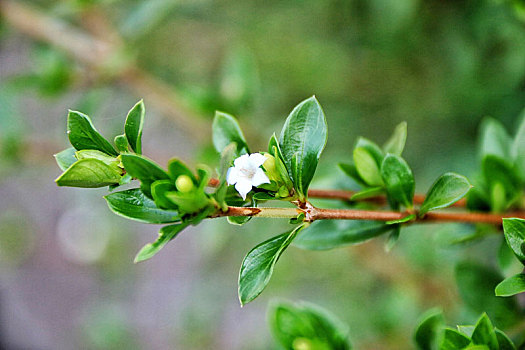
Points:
[(302, 140), (514, 230), (257, 266), (511, 286), (398, 179), (134, 125), (447, 190), (83, 135), (166, 234), (427, 334), (302, 325), (89, 173), (226, 130)]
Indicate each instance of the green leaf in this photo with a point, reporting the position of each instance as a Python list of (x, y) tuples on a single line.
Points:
[(428, 332), (83, 135), (177, 168), (89, 173), (350, 170), (329, 234), (368, 193), (103, 157), (398, 179), (447, 190), (159, 189), (122, 143), (372, 148), (134, 204), (504, 342), (518, 147), (396, 143), (65, 158), (511, 286), (476, 284), (484, 333), (453, 340), (227, 156), (143, 169), (367, 167), (166, 234), (307, 326), (225, 130), (514, 230), (303, 136), (393, 237), (134, 125), (402, 220), (257, 266), (494, 139), (503, 182)]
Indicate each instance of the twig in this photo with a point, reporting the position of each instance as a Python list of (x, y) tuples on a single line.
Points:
[(101, 54), (313, 214)]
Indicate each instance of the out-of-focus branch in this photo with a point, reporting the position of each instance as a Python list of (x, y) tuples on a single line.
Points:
[(99, 54)]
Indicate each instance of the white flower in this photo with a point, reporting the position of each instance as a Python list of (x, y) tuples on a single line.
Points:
[(246, 173)]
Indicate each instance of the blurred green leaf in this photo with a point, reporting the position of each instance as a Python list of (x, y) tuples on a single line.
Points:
[(368, 193), (494, 139), (227, 156), (514, 230), (83, 135), (166, 234), (511, 286), (398, 179), (329, 234), (257, 266), (135, 205), (502, 181), (351, 170), (504, 341), (447, 190), (306, 326), (396, 143), (303, 137), (89, 173), (65, 158), (122, 143), (226, 130), (428, 332), (367, 167), (134, 125)]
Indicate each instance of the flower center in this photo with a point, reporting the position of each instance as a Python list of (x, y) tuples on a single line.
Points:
[(248, 172)]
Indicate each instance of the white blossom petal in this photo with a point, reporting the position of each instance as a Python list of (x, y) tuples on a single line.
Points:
[(242, 161), (232, 176), (260, 178), (243, 186), (256, 160)]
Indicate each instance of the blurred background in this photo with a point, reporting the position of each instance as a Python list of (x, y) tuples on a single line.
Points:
[(67, 278)]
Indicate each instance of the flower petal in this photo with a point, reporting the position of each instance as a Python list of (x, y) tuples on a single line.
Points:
[(242, 161), (232, 176), (256, 160), (243, 186), (260, 178)]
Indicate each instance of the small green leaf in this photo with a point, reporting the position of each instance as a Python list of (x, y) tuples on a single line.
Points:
[(503, 182), (177, 168), (83, 135), (494, 139), (103, 157), (403, 220), (166, 234), (307, 326), (504, 342), (350, 170), (122, 143), (393, 237), (367, 167), (372, 148), (514, 230), (227, 156), (226, 130), (329, 234), (447, 190), (398, 179), (143, 169), (511, 286), (453, 340), (65, 158), (257, 266), (89, 173), (134, 204), (428, 332), (484, 334), (159, 189), (396, 143), (368, 193), (134, 125), (303, 136)]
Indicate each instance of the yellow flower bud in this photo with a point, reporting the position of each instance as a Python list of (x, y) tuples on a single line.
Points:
[(184, 184)]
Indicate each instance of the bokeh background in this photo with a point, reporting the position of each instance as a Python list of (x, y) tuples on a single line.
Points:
[(67, 278)]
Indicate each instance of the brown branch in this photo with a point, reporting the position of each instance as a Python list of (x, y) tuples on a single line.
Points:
[(105, 56), (313, 214)]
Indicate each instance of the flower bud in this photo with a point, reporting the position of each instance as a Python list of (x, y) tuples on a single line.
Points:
[(184, 184), (269, 168)]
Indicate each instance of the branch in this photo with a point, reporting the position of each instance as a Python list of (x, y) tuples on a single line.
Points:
[(102, 54), (313, 214)]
